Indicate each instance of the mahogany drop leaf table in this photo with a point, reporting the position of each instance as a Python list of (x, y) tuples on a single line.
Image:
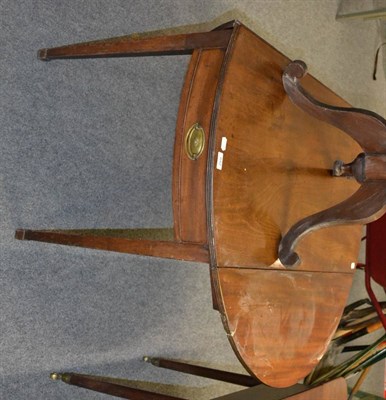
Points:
[(251, 160)]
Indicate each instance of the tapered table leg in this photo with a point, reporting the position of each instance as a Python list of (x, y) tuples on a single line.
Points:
[(224, 376), (98, 385), (105, 239), (126, 46)]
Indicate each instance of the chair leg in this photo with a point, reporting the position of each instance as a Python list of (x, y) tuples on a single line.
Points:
[(150, 242), (224, 376), (97, 384), (136, 45)]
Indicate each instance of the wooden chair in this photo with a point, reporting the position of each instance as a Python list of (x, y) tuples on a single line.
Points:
[(336, 389)]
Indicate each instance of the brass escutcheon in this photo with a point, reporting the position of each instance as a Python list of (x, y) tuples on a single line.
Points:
[(195, 141)]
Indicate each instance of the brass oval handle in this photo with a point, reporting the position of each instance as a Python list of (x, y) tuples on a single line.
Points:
[(195, 141)]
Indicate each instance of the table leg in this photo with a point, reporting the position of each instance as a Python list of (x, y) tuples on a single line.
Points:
[(224, 376), (367, 204), (369, 168), (114, 240), (140, 45), (98, 384)]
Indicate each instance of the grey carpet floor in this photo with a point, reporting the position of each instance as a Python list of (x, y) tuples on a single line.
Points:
[(88, 143)]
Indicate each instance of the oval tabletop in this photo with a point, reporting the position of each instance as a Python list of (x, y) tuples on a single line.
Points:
[(271, 167)]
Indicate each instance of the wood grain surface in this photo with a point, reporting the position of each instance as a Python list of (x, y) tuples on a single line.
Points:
[(280, 322), (277, 166), (276, 170)]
